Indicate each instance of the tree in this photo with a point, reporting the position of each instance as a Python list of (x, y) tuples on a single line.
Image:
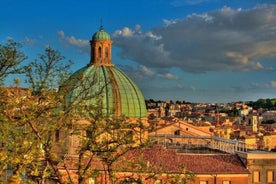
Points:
[(32, 119), (37, 123), (26, 131), (48, 72), (266, 104), (47, 116), (103, 142), (10, 59), (29, 117)]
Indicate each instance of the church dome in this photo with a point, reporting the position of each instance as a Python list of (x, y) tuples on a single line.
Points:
[(101, 35), (118, 94), (100, 82)]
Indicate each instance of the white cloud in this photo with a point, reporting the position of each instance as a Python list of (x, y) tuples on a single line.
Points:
[(143, 73), (82, 45), (169, 22), (269, 85), (140, 45), (29, 41), (238, 57), (26, 40), (138, 73), (223, 40), (227, 11), (147, 71), (259, 65), (169, 76), (9, 38), (273, 84), (205, 17), (125, 32), (153, 36), (61, 33)]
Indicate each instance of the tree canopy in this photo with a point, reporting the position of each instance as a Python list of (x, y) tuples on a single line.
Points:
[(10, 59), (267, 104), (38, 129)]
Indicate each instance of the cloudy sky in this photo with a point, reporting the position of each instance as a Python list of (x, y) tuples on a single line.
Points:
[(191, 50)]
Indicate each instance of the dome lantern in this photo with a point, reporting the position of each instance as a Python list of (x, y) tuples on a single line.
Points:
[(101, 35), (101, 44)]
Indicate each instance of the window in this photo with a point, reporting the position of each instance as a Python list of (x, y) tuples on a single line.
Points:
[(226, 182), (203, 182), (106, 52), (92, 52), (177, 132), (100, 52), (256, 176), (270, 176)]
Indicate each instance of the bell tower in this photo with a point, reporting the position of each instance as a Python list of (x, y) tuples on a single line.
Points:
[(101, 48)]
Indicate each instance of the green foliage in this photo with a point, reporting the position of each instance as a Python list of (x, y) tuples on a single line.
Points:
[(10, 59), (30, 117), (266, 104), (231, 113), (271, 121)]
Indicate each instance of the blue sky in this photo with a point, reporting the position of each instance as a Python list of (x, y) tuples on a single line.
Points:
[(192, 50)]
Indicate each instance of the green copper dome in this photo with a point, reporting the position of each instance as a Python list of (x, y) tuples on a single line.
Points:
[(101, 35), (100, 83), (117, 92)]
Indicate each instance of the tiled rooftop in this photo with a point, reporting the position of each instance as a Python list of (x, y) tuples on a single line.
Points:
[(168, 160)]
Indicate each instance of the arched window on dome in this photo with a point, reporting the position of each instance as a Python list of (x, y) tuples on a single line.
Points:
[(100, 52), (92, 52), (106, 52)]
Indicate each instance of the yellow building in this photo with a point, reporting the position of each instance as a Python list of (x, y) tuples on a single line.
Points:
[(269, 142), (251, 142), (262, 166)]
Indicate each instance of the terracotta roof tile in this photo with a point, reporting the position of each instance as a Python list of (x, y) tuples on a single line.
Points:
[(168, 160), (197, 163)]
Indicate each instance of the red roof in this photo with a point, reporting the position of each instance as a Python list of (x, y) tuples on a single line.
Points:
[(169, 161), (196, 163)]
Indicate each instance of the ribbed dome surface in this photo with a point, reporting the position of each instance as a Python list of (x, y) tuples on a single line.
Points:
[(101, 35), (118, 93)]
